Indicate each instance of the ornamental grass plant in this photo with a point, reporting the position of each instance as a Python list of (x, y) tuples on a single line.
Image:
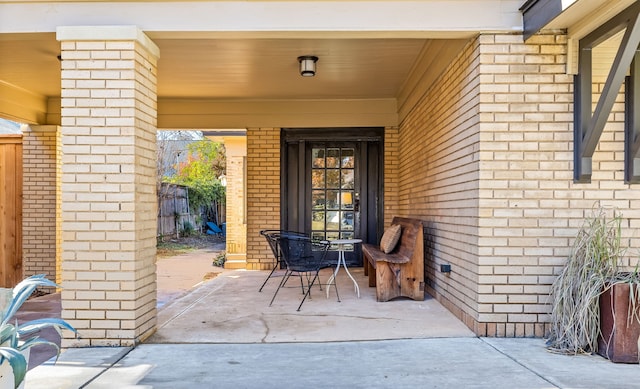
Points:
[(593, 265)]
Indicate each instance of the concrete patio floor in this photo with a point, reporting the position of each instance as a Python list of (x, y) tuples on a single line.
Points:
[(229, 309), (224, 334)]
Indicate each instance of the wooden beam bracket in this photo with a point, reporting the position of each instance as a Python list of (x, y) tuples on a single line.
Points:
[(588, 128)]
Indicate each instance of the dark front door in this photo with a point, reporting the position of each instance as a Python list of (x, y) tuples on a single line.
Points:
[(335, 190), (331, 181)]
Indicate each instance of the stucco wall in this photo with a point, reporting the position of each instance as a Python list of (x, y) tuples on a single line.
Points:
[(236, 234)]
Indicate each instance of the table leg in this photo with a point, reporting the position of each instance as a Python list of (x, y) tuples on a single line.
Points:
[(357, 288), (335, 272), (342, 261)]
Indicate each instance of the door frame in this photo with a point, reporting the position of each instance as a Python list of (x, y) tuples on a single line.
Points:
[(371, 199)]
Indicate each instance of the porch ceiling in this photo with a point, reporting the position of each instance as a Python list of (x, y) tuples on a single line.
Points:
[(238, 59), (253, 68)]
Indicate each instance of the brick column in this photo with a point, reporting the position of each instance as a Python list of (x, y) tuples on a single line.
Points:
[(40, 205), (391, 172), (263, 193), (236, 151), (527, 199), (109, 118)]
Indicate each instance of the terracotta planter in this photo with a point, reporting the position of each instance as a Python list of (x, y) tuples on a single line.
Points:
[(619, 340)]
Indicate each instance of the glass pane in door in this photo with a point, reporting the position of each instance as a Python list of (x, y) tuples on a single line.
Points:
[(333, 193)]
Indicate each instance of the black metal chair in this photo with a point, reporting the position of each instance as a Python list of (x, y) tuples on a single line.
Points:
[(272, 239), (304, 257)]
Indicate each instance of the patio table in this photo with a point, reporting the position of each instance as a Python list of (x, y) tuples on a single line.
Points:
[(341, 243)]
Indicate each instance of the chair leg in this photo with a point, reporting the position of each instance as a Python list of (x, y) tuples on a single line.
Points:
[(308, 291), (309, 284), (282, 282), (319, 283), (286, 277), (268, 277)]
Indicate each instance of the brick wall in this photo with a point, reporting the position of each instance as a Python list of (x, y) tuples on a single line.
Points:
[(108, 191), (59, 232), (491, 174), (439, 175), (526, 158), (391, 177), (39, 224), (263, 193)]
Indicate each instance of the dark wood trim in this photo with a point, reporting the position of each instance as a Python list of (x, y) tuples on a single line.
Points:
[(538, 13), (632, 125), (295, 143), (588, 128), (358, 134), (611, 27)]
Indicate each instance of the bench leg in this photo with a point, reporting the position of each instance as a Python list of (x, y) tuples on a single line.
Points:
[(372, 275), (369, 270), (387, 283), (396, 280)]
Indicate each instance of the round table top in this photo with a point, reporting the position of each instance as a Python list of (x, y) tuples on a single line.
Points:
[(345, 241)]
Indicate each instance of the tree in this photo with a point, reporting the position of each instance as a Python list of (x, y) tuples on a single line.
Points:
[(171, 146), (188, 159), (205, 162)]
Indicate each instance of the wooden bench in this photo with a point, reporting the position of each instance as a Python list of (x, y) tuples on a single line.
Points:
[(401, 272)]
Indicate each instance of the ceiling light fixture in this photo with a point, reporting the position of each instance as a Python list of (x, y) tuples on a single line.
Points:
[(307, 65)]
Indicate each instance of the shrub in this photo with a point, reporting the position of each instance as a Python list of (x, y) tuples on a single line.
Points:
[(187, 229), (220, 259)]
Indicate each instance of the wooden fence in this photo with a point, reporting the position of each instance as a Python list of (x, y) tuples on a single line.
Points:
[(173, 210), (10, 210), (175, 216)]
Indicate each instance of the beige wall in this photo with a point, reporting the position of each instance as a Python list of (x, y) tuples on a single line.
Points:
[(109, 202), (439, 180), (236, 234), (391, 177), (263, 193), (486, 162), (485, 159), (525, 158), (41, 148)]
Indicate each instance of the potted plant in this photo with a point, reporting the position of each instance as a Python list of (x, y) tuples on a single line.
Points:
[(16, 339), (592, 273), (619, 338)]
